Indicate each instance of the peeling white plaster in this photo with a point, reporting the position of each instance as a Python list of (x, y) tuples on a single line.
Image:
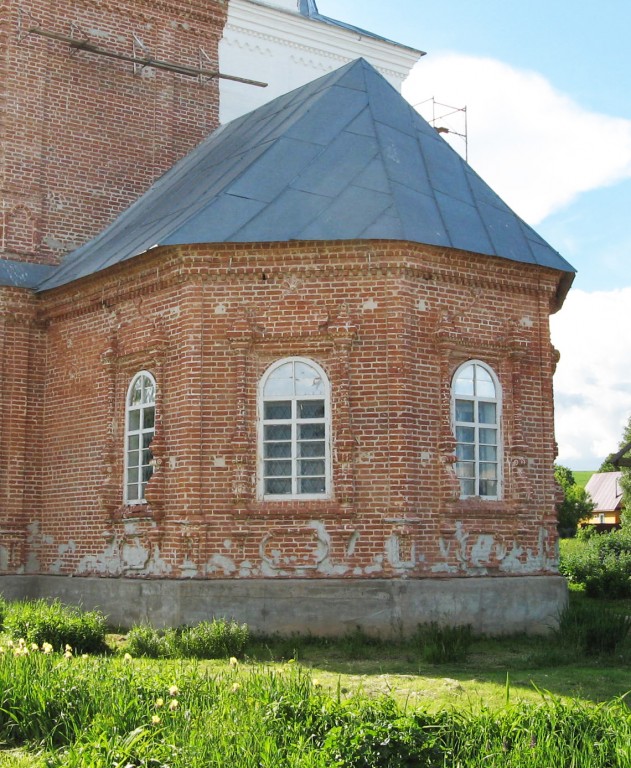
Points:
[(227, 544), (172, 462), (526, 322), (481, 550), (426, 456), (219, 462), (370, 304), (189, 570), (377, 566), (220, 309), (221, 564), (421, 305), (352, 543)]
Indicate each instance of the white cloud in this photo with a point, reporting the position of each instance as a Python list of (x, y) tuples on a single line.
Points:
[(536, 147), (593, 378)]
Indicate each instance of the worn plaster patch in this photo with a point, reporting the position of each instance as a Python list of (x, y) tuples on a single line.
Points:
[(221, 564), (302, 547)]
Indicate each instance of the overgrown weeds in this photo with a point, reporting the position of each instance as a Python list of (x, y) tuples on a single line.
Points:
[(109, 711), (590, 628), (444, 644), (216, 639), (39, 621)]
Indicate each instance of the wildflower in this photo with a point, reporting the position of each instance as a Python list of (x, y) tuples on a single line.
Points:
[(234, 661), (173, 705), (317, 683), (34, 647), (159, 703), (155, 719), (127, 657), (47, 648), (84, 655), (174, 690), (67, 653), (68, 648), (235, 687)]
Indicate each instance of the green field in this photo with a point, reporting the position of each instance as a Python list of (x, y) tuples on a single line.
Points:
[(582, 476)]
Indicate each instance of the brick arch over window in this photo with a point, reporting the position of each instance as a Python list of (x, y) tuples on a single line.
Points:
[(476, 416), (294, 431), (140, 417)]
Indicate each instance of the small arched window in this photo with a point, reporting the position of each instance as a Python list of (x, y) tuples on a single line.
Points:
[(294, 431), (476, 406), (140, 418)]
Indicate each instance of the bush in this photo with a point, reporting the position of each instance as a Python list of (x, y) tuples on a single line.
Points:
[(3, 612), (442, 645), (215, 639), (602, 564), (144, 640), (207, 640), (592, 629), (38, 621)]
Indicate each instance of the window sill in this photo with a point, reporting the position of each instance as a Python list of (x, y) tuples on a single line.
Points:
[(135, 511)]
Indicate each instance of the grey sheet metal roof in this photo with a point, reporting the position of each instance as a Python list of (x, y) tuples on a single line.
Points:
[(342, 158), (309, 9), (21, 274), (605, 491)]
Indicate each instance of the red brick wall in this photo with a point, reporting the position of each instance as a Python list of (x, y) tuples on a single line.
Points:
[(389, 323), (83, 135)]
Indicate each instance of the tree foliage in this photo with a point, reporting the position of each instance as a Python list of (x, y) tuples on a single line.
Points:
[(625, 481), (576, 504)]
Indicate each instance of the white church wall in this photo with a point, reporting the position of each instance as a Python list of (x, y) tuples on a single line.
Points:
[(273, 43)]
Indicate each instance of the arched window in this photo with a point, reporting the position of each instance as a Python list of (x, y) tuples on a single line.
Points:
[(140, 417), (476, 406), (294, 431)]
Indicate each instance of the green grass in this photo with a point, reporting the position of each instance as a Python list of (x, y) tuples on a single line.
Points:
[(582, 476), (315, 703)]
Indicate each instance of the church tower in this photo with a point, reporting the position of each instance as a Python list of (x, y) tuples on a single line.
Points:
[(85, 126)]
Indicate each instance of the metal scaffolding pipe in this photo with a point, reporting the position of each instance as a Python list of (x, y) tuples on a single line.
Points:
[(86, 45)]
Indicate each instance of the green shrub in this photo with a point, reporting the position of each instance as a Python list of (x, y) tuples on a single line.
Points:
[(214, 639), (442, 645), (38, 621), (602, 564), (592, 629), (143, 640)]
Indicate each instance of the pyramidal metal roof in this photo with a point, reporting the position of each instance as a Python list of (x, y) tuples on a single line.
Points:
[(342, 158)]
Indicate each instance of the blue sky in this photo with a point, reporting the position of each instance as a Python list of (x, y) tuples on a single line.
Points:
[(546, 86)]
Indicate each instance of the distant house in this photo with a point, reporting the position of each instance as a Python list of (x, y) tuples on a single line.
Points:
[(606, 492)]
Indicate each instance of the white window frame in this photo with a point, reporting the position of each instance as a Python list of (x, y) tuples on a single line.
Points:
[(294, 422), (141, 432), (477, 425)]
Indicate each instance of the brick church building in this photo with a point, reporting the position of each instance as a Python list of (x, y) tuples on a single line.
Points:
[(295, 369)]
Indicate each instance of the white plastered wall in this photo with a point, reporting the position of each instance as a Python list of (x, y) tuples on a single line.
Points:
[(273, 43)]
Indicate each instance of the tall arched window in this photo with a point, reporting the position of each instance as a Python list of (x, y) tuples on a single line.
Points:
[(294, 431), (476, 410), (140, 417)]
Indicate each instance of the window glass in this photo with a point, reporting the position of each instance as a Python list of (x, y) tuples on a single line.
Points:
[(294, 456), (476, 415), (139, 432)]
